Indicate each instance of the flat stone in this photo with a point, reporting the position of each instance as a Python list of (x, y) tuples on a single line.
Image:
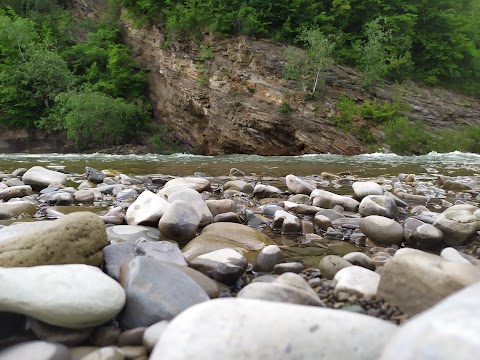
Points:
[(327, 199), (198, 184), (262, 191), (293, 267), (57, 334), (73, 239), (39, 177), (414, 280), (71, 296), (132, 233), (360, 259), (156, 291), (242, 327), (366, 188)]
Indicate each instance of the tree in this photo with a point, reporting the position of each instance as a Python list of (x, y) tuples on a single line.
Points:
[(309, 65), (94, 119), (373, 55)]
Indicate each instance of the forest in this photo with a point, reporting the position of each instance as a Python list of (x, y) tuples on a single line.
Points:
[(61, 73)]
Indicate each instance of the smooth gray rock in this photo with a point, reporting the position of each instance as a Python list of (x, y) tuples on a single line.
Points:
[(71, 296), (156, 291), (93, 175), (39, 177), (268, 257), (286, 223), (180, 222), (153, 333), (223, 265), (262, 191), (239, 185), (288, 287), (193, 198), (378, 205), (327, 199), (446, 331), (382, 230), (360, 259), (244, 328), (57, 334), (298, 186), (293, 267), (43, 351), (366, 188), (161, 250), (427, 236)]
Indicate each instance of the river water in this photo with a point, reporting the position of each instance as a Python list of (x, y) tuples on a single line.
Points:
[(360, 166)]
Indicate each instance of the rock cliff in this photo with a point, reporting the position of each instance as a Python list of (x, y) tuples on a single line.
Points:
[(225, 96)]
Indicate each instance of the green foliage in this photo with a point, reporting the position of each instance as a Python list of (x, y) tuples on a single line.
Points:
[(405, 137), (309, 66), (94, 119), (359, 118), (162, 141), (102, 64), (285, 108), (373, 56)]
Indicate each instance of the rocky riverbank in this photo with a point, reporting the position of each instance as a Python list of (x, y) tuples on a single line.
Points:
[(103, 265)]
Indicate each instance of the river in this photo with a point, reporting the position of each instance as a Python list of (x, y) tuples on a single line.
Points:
[(360, 166)]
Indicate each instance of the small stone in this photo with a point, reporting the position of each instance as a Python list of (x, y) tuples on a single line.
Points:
[(360, 259), (366, 188), (382, 230), (270, 256), (153, 333), (331, 264), (147, 209), (293, 267), (298, 186), (358, 280), (132, 337)]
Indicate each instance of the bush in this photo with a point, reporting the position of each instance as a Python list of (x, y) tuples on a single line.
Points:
[(405, 137), (95, 119)]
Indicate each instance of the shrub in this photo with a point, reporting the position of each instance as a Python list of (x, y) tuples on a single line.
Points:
[(95, 119), (405, 137)]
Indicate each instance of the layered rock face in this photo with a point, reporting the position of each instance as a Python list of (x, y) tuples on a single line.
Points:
[(224, 96)]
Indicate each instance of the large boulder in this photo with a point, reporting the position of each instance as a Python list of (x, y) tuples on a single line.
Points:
[(449, 330), (39, 177), (71, 296), (77, 238), (415, 280), (245, 329)]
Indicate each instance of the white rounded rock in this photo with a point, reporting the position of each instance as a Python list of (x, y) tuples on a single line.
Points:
[(246, 329), (358, 280), (365, 188), (71, 296), (148, 208), (39, 177), (298, 186)]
